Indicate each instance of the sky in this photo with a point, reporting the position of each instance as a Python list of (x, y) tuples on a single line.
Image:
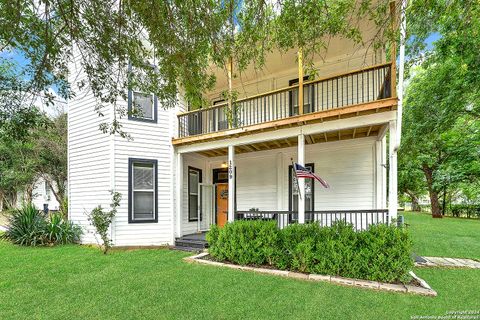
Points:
[(21, 62)]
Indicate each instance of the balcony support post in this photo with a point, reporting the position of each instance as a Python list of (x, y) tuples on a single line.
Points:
[(301, 182), (177, 225), (392, 172), (300, 81), (231, 183), (393, 50), (230, 105)]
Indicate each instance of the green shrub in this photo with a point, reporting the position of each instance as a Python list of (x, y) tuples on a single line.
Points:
[(102, 219), (26, 226), (29, 226), (245, 242), (60, 231), (464, 210), (381, 253)]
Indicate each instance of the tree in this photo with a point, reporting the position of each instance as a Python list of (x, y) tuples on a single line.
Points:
[(411, 181), (51, 146), (442, 104), (441, 143), (39, 151), (19, 165), (184, 39)]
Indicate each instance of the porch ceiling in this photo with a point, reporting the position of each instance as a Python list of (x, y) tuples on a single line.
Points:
[(360, 132)]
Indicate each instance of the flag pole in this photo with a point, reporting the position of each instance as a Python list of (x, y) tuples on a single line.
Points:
[(296, 179)]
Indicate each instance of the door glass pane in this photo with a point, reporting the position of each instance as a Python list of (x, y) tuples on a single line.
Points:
[(193, 181), (193, 207), (307, 193), (143, 176), (143, 204)]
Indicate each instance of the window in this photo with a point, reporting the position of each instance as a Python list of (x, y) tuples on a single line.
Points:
[(194, 179), (47, 191), (308, 97), (308, 193), (142, 200), (141, 106)]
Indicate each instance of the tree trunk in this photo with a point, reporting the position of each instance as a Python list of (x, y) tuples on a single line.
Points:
[(416, 205), (414, 200), (434, 202), (58, 190), (28, 193)]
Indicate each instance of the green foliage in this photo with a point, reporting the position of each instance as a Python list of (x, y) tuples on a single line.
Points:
[(465, 210), (28, 226), (41, 151), (185, 39), (102, 220), (381, 253), (58, 230), (442, 106), (245, 242)]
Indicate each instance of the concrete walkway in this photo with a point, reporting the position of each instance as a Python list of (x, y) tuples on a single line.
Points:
[(446, 262)]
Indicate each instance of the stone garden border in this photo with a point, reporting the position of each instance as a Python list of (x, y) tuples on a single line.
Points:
[(423, 289)]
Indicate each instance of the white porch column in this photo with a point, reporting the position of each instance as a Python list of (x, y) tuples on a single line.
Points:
[(301, 182), (392, 172), (231, 183), (178, 193)]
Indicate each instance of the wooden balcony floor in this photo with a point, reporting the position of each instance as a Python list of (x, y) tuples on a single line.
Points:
[(383, 105)]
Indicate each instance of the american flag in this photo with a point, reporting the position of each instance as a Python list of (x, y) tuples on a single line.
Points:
[(302, 172)]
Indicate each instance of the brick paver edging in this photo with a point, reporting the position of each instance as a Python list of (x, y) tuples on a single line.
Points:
[(424, 289)]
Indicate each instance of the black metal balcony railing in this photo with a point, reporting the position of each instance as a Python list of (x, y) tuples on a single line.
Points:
[(360, 219), (362, 86)]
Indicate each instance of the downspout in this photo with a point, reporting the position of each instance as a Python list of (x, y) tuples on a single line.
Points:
[(401, 68)]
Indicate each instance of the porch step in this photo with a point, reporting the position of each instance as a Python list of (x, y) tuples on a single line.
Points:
[(188, 249), (189, 243)]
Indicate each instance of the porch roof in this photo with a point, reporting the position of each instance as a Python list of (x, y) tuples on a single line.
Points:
[(338, 135)]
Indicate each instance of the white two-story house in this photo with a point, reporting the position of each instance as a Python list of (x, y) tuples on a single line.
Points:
[(185, 169)]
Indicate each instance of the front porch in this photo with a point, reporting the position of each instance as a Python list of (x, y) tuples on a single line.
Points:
[(258, 168)]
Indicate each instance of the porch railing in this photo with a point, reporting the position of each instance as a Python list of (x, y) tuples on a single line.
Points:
[(360, 219), (361, 86)]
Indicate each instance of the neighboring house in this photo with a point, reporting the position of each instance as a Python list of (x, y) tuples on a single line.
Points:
[(42, 196), (187, 169)]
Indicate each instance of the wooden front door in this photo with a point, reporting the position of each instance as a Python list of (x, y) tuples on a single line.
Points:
[(222, 203)]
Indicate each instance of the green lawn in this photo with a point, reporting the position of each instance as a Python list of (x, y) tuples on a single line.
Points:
[(81, 283), (447, 237)]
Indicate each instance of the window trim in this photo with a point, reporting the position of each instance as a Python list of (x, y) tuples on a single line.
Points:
[(199, 171), (131, 162), (130, 104)]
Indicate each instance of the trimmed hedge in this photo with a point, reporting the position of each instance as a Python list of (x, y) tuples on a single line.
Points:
[(381, 253)]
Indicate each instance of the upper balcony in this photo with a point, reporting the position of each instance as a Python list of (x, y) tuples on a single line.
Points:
[(359, 92)]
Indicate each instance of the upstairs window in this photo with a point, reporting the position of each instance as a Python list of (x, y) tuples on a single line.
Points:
[(142, 200), (141, 106)]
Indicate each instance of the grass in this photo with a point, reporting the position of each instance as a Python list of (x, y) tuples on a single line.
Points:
[(447, 237), (81, 283)]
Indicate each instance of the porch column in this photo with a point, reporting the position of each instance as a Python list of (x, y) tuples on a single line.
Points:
[(177, 221), (231, 183), (392, 172), (301, 182)]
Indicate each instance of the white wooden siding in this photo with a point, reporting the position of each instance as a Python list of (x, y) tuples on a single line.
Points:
[(348, 166), (88, 157), (150, 141)]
